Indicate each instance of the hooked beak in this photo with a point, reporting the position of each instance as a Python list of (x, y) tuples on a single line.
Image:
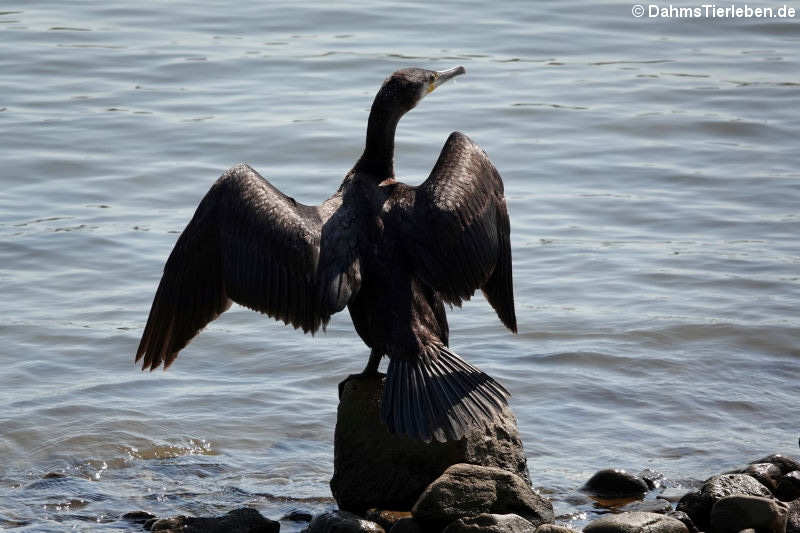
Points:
[(444, 75)]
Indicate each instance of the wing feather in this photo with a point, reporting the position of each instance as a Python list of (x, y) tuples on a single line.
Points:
[(458, 229), (248, 243)]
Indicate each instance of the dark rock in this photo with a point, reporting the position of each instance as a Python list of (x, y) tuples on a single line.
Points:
[(673, 494), (553, 528), (373, 468), (297, 515), (789, 486), (165, 524), (734, 513), (406, 525), (244, 520), (682, 517), (613, 483), (468, 490), (342, 522), (653, 479), (138, 516), (793, 521), (786, 464), (53, 475), (649, 506), (491, 523), (636, 523), (767, 474), (698, 504), (386, 519)]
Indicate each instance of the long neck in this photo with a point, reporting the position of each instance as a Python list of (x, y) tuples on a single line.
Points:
[(378, 157)]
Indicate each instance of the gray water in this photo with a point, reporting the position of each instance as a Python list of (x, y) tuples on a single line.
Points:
[(651, 171)]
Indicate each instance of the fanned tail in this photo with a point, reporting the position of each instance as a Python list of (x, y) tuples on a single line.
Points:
[(439, 397)]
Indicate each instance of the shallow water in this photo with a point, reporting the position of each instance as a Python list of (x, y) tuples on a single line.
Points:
[(651, 170)]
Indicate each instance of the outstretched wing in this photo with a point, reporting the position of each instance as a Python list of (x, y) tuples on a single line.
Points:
[(247, 242), (459, 230), (339, 270)]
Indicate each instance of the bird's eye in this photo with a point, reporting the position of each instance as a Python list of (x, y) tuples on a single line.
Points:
[(432, 83)]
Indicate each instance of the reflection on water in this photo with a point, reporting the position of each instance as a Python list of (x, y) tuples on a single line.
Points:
[(651, 173)]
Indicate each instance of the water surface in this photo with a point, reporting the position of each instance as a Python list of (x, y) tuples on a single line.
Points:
[(651, 171)]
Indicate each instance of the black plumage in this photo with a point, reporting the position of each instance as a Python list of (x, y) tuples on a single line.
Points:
[(392, 253)]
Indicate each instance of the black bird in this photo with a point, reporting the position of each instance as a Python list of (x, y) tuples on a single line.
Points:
[(392, 253)]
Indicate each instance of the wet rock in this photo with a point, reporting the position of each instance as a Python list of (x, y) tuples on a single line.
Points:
[(406, 525), (786, 464), (373, 468), (649, 506), (297, 515), (468, 490), (636, 523), (53, 475), (138, 516), (653, 479), (243, 520), (614, 484), (734, 513), (767, 474), (553, 528), (386, 519), (793, 520), (789, 486), (698, 504), (342, 522), (491, 523), (682, 517), (673, 494), (165, 524)]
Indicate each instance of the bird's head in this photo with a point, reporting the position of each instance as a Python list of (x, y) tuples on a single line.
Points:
[(406, 87)]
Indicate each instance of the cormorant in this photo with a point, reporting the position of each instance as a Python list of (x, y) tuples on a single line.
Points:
[(392, 253)]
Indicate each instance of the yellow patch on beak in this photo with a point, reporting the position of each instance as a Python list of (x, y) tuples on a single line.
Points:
[(432, 84)]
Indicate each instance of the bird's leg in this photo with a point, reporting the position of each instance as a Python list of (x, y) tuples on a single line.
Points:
[(371, 370), (372, 365)]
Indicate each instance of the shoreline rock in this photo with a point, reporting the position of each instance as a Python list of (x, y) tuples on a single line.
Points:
[(491, 523), (375, 469), (465, 490), (244, 520), (732, 514), (613, 483), (471, 498), (636, 522), (698, 504), (342, 522)]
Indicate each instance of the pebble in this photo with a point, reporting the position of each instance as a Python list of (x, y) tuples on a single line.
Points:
[(767, 474), (342, 522), (636, 522), (731, 514), (698, 504), (614, 483), (386, 519), (786, 464), (297, 515), (789, 486), (467, 490), (553, 528), (491, 523)]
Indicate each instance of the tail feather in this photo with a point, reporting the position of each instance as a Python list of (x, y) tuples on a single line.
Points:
[(440, 397)]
